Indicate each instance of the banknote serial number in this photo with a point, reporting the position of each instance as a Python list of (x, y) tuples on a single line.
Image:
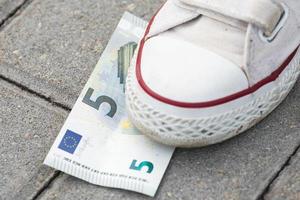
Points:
[(101, 173)]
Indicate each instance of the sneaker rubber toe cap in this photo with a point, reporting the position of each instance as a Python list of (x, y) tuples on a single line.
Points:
[(184, 72)]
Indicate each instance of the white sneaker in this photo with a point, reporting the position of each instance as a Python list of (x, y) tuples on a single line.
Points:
[(206, 71)]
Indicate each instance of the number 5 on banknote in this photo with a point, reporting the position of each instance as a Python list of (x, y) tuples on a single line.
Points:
[(147, 164), (100, 100)]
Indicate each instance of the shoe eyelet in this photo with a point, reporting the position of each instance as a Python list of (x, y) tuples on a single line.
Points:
[(278, 27)]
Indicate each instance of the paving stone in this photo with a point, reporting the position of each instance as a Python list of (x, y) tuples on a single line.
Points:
[(7, 7), (28, 127), (238, 169), (53, 46), (287, 185)]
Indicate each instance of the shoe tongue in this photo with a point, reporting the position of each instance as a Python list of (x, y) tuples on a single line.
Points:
[(221, 36), (264, 14)]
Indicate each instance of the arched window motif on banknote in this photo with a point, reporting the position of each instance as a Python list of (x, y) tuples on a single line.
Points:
[(125, 54)]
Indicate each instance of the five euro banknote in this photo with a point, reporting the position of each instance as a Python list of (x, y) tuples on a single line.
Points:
[(98, 143)]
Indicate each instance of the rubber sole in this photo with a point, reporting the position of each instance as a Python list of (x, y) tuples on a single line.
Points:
[(175, 130)]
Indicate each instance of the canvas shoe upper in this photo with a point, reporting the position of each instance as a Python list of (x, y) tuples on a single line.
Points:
[(208, 70), (199, 51)]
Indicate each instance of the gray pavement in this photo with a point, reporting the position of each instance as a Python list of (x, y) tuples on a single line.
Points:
[(8, 7), (287, 185), (54, 45), (28, 127), (49, 50)]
